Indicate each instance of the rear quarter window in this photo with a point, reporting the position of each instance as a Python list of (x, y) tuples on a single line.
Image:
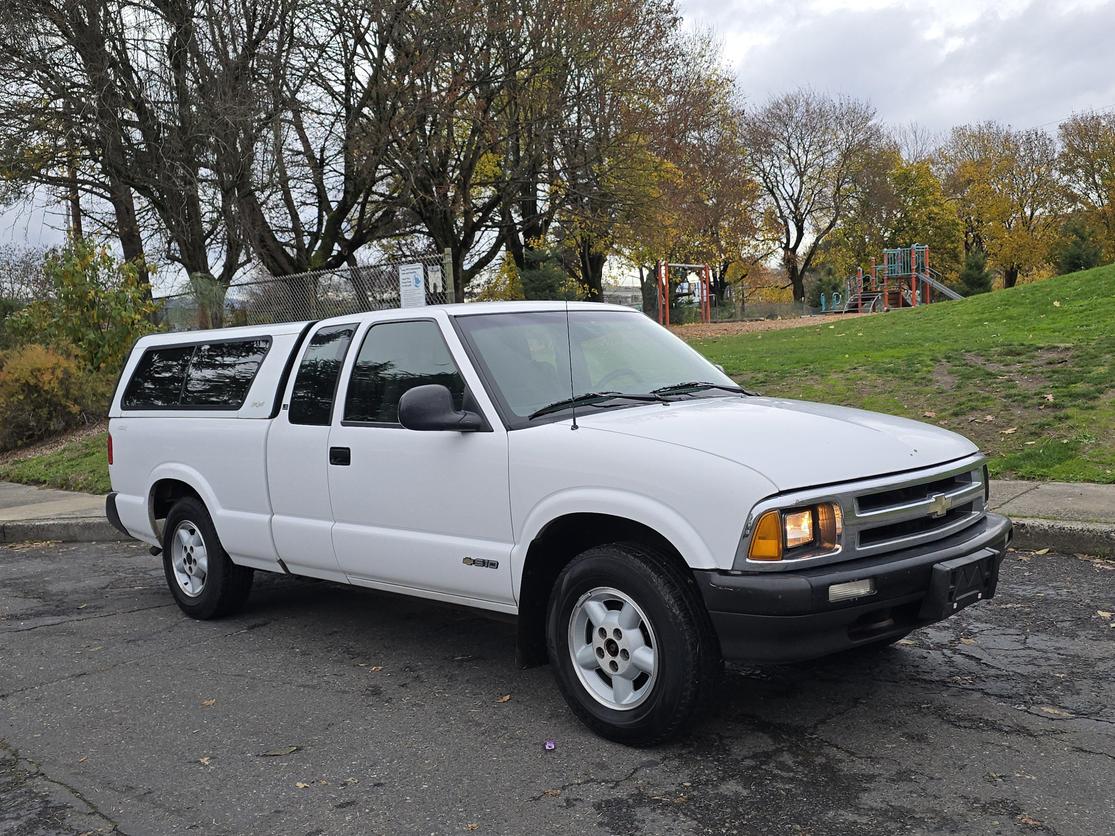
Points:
[(205, 376)]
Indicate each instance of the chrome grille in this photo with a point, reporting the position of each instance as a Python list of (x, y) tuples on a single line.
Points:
[(915, 511)]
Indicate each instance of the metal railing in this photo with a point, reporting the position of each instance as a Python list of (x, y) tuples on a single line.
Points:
[(307, 296)]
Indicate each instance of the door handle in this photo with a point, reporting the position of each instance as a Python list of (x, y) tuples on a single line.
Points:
[(341, 456)]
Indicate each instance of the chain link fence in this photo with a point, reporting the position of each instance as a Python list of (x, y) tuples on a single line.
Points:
[(308, 296)]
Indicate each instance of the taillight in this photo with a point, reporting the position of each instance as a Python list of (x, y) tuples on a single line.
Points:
[(110, 448)]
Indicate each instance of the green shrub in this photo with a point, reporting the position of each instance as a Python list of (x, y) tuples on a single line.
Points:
[(975, 277), (44, 392), (97, 307)]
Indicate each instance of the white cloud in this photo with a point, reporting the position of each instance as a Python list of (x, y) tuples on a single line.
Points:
[(939, 62)]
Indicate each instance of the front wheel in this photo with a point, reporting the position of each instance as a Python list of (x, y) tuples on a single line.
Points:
[(201, 576), (631, 644)]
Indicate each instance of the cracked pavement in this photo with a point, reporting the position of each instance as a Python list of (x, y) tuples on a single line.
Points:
[(119, 714)]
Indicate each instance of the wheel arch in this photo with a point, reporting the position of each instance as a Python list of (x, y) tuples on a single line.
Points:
[(170, 484), (554, 546)]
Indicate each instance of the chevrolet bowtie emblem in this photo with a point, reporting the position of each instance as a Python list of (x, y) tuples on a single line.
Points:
[(939, 504)]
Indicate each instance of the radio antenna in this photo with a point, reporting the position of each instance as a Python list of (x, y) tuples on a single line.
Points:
[(569, 348)]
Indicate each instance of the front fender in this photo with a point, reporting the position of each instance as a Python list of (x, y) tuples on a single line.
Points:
[(631, 506)]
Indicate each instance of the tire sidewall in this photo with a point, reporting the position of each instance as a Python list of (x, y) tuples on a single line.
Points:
[(207, 603), (676, 658)]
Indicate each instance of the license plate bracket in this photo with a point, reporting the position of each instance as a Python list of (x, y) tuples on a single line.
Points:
[(957, 583)]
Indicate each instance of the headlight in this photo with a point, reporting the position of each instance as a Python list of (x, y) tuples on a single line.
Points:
[(797, 532)]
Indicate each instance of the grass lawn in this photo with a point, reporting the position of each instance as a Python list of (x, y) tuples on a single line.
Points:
[(77, 465), (1026, 373)]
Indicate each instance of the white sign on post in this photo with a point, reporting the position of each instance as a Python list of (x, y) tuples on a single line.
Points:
[(412, 286), (433, 278)]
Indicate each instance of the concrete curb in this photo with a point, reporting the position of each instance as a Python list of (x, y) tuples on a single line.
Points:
[(1064, 536), (64, 529)]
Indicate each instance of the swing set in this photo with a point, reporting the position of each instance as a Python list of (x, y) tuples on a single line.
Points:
[(703, 288)]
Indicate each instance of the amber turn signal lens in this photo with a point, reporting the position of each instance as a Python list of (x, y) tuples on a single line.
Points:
[(766, 542)]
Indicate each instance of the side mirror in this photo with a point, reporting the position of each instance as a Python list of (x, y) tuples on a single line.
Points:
[(430, 407)]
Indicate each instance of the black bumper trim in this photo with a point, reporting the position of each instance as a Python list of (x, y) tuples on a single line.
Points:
[(113, 515), (786, 616)]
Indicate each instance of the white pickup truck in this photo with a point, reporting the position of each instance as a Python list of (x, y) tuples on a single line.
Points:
[(576, 466)]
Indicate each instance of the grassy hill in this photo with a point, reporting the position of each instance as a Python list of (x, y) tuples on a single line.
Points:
[(1027, 373)]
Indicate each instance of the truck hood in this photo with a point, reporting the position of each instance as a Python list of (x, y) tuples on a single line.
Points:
[(794, 444)]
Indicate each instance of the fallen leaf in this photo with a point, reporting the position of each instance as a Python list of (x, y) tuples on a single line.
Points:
[(966, 640), (1104, 614), (1009, 431), (929, 414), (988, 418), (504, 698), (83, 759), (209, 703), (302, 785), (1028, 443), (1056, 304), (278, 753), (472, 826), (376, 668), (82, 606), (907, 642), (204, 761), (1049, 397), (551, 793), (1042, 551), (1025, 819), (1054, 711)]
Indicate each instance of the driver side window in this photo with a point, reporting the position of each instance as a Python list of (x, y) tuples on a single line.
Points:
[(396, 357)]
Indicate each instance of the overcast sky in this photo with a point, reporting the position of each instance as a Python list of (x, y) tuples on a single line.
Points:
[(938, 62), (1026, 63)]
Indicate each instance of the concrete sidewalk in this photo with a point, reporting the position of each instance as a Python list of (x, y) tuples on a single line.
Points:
[(30, 513), (1065, 517)]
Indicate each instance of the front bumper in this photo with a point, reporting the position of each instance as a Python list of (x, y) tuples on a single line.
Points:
[(787, 616)]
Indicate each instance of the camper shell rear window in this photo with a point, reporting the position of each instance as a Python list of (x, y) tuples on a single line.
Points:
[(209, 375)]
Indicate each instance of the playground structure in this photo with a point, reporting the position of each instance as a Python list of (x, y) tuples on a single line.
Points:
[(703, 289), (905, 279)]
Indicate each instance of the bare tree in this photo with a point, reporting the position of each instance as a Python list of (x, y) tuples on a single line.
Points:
[(806, 150)]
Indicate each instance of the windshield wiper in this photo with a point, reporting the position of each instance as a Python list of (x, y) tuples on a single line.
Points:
[(698, 386), (594, 399)]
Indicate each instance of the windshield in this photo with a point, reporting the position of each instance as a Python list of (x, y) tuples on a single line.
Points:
[(526, 356)]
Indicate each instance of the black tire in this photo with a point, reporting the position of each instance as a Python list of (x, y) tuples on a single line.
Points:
[(688, 663), (226, 586)]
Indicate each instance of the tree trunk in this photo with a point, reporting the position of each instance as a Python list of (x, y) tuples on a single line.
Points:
[(592, 271), (1010, 276), (648, 286), (797, 282)]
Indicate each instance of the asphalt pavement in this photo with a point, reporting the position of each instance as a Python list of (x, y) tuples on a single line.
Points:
[(330, 710)]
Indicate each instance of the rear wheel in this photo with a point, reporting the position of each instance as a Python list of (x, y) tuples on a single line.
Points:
[(631, 645), (204, 581)]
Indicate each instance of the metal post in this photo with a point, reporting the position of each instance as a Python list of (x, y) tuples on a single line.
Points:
[(450, 287), (929, 289), (886, 289), (666, 292), (859, 290), (914, 276), (706, 307)]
